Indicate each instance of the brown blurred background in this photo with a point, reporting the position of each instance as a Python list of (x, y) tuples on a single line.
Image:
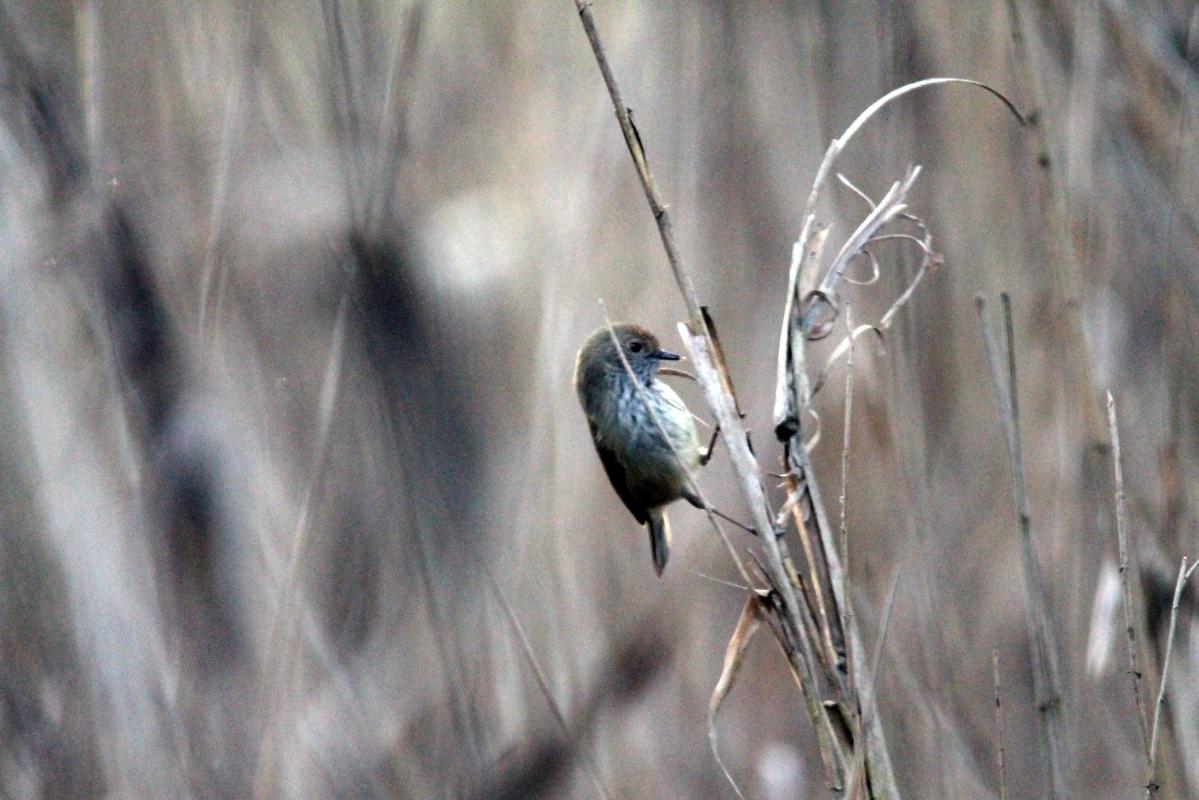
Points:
[(290, 295)]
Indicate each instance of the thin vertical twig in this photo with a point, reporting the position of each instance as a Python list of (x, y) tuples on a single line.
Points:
[(393, 124), (869, 709), (1151, 786), (847, 606), (281, 653), (845, 439), (633, 141), (1130, 633), (87, 36), (1045, 677), (801, 260), (814, 570), (1000, 751), (543, 685), (213, 268)]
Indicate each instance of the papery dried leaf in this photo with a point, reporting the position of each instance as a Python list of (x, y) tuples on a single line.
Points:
[(752, 616), (747, 625)]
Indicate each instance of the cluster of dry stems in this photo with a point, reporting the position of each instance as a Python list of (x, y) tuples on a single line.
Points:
[(809, 609)]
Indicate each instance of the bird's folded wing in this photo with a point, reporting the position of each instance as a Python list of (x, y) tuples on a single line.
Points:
[(616, 474)]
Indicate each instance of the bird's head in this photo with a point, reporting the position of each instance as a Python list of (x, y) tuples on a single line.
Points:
[(640, 347)]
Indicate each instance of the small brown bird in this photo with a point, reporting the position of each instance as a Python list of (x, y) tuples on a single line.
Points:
[(645, 470)]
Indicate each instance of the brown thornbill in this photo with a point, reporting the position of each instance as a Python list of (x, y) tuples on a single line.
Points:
[(646, 471)]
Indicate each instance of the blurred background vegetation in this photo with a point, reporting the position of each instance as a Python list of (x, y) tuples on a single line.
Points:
[(290, 295)]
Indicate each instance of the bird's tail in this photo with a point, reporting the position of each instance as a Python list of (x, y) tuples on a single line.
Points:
[(659, 539)]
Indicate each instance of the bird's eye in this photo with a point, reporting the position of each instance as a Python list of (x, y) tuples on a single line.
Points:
[(634, 347)]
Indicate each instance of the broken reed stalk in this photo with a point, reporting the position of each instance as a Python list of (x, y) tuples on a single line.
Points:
[(1046, 684), (1184, 574), (1130, 631), (709, 372)]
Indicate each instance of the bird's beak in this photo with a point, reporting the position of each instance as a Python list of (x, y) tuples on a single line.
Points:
[(666, 355)]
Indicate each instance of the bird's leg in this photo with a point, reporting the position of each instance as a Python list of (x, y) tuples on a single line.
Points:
[(699, 504), (706, 455), (738, 523)]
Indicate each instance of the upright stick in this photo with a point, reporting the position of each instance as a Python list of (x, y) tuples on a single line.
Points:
[(1130, 631), (1045, 677)]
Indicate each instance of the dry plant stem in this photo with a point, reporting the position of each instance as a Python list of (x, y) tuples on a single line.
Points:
[(543, 685), (1130, 633), (845, 440), (656, 206), (791, 389), (810, 622), (797, 645), (344, 104), (281, 656), (718, 581), (816, 595), (800, 467), (787, 406), (392, 135), (1062, 253), (87, 42), (218, 214), (797, 486), (723, 408), (1000, 753), (868, 712), (802, 257), (1045, 676), (1151, 786), (793, 392), (847, 608), (882, 776)]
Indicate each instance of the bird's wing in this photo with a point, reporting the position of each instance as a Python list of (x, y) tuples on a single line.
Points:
[(616, 475)]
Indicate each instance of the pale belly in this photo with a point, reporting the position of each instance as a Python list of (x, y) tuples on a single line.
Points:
[(657, 470)]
